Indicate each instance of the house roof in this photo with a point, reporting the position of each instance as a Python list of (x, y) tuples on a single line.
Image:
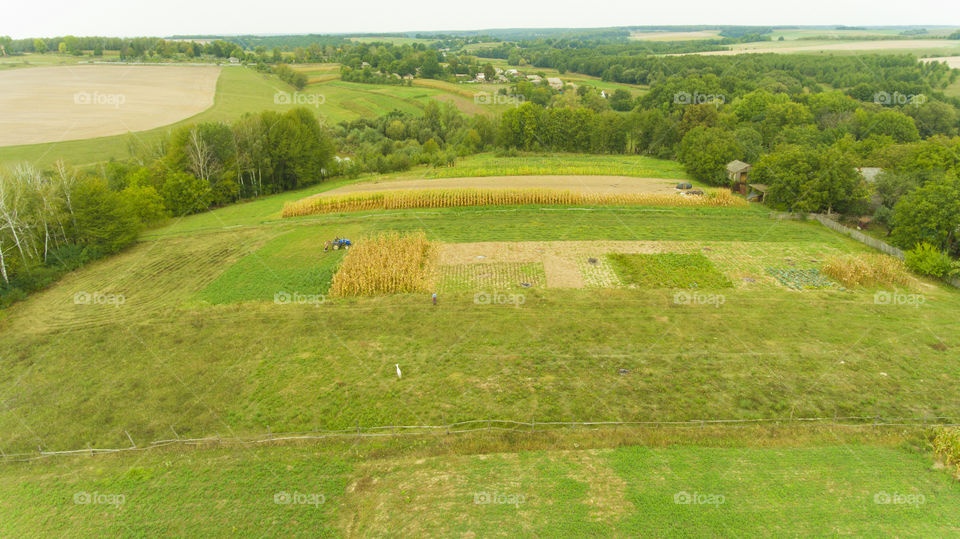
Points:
[(737, 166), (762, 187), (870, 173)]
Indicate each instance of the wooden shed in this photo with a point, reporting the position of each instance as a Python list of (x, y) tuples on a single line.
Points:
[(757, 192), (738, 173)]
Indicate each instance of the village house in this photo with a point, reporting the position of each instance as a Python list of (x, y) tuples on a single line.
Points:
[(555, 83)]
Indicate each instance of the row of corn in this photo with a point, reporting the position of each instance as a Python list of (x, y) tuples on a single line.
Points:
[(445, 198)]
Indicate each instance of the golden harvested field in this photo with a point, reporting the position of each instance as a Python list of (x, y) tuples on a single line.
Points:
[(675, 36), (50, 104), (586, 184), (952, 61)]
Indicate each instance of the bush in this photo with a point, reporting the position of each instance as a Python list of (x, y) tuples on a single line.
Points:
[(866, 270), (926, 259)]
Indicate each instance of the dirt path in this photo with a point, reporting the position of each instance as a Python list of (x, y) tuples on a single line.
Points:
[(590, 184)]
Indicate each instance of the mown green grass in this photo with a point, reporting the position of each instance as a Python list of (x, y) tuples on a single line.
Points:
[(627, 491), (223, 494), (633, 492), (668, 270), (294, 263)]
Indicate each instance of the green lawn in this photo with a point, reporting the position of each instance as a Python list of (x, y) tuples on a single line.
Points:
[(221, 494), (293, 264), (680, 491), (668, 270)]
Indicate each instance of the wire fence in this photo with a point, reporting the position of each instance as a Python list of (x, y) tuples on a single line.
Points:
[(484, 425)]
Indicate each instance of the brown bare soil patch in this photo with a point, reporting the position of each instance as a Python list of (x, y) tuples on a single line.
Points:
[(589, 184)]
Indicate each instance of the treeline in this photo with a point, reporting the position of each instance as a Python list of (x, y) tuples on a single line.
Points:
[(56, 220), (294, 78), (138, 47), (741, 73), (364, 60)]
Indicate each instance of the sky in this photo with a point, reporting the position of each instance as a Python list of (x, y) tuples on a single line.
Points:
[(49, 18)]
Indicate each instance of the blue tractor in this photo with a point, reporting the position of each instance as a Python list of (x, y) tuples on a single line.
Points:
[(338, 243)]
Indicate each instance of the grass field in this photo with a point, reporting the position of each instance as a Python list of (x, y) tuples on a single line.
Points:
[(165, 283), (224, 327), (628, 491), (49, 59)]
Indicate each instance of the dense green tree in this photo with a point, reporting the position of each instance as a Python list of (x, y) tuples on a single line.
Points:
[(184, 194), (809, 179), (929, 214), (104, 219), (705, 151)]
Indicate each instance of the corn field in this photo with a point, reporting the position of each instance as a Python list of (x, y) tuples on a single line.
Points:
[(445, 198), (946, 445), (386, 264), (866, 270)]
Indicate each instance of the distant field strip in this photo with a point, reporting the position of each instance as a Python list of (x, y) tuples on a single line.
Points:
[(905, 45), (50, 104), (446, 198)]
